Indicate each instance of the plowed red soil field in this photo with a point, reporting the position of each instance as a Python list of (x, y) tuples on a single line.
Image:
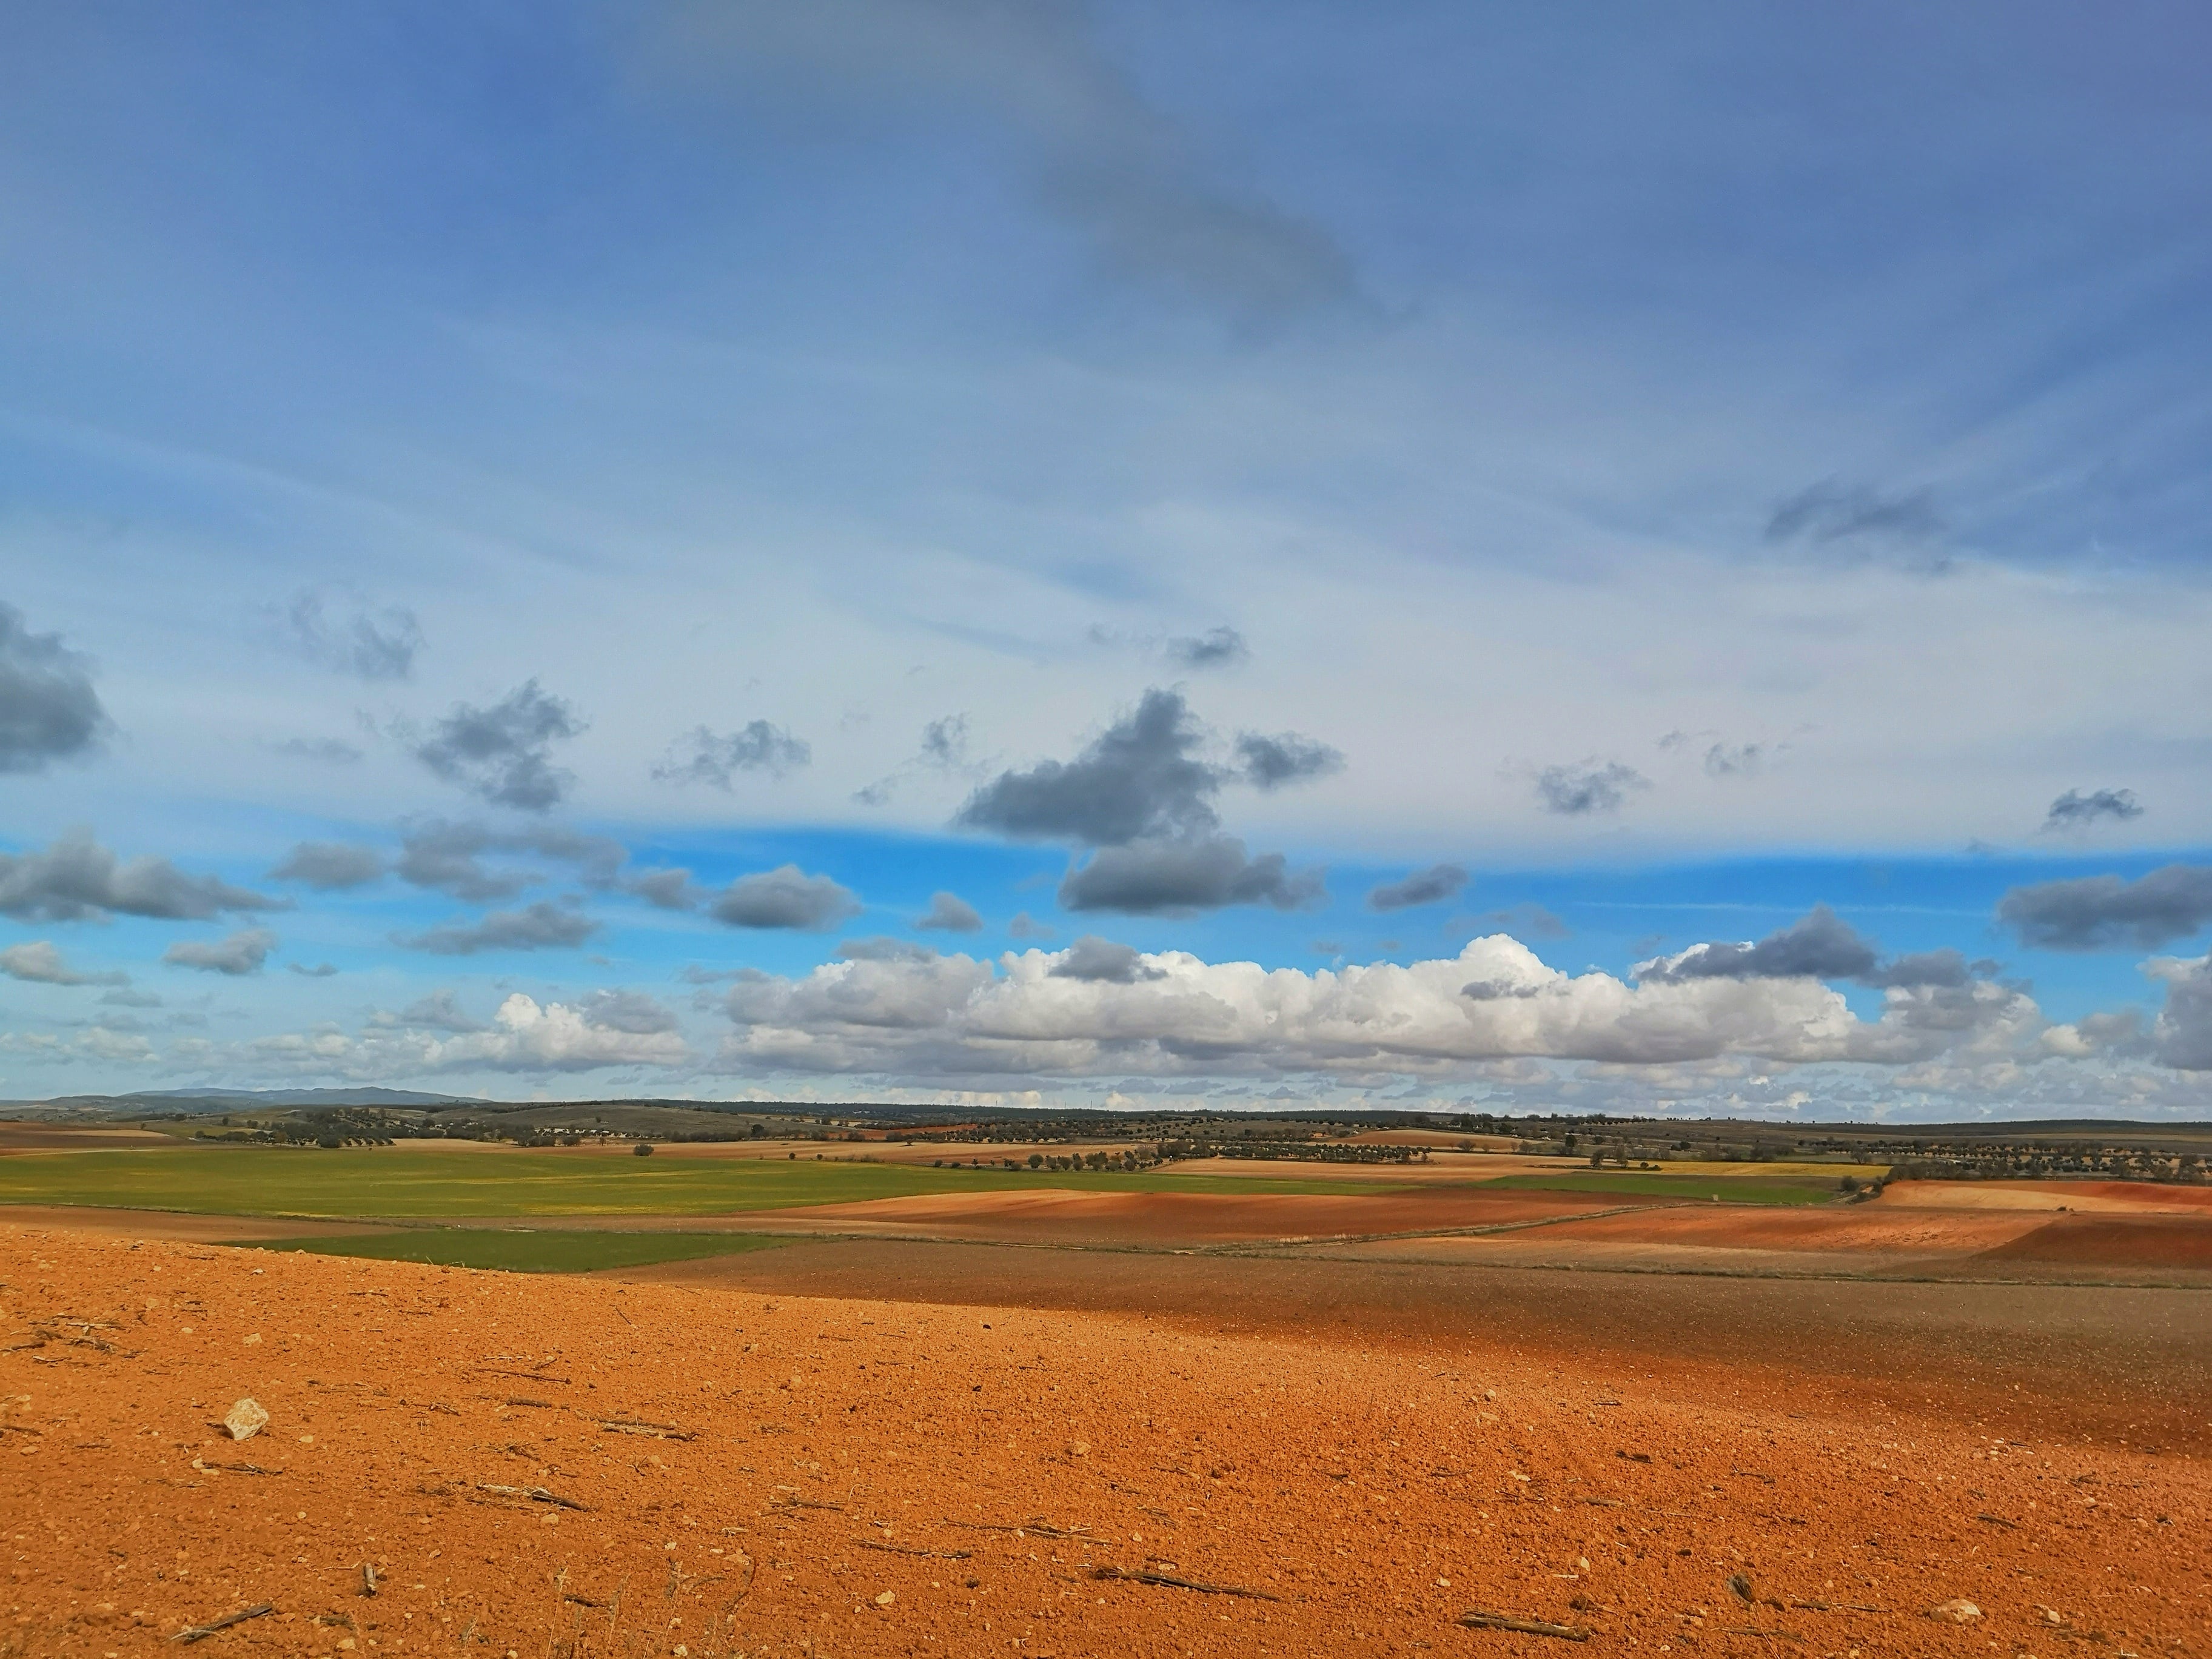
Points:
[(2149, 1241), (560, 1467), (1186, 1217)]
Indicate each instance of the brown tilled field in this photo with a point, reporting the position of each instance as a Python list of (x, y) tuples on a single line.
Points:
[(536, 1466)]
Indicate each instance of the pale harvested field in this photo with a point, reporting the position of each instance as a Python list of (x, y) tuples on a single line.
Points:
[(2095, 1197)]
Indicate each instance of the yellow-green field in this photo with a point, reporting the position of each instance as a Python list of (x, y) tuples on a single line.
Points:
[(367, 1180), (1739, 1187)]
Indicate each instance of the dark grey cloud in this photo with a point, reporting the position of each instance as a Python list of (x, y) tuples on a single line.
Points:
[(440, 1011), (1101, 961), (1098, 154), (48, 709), (2183, 1036), (881, 947), (129, 999), (1437, 882), (342, 632), (1529, 921), (447, 855), (700, 756), (949, 912), (943, 749), (783, 898), (504, 752), (693, 974), (1944, 969), (1182, 878), (542, 926), (36, 961), (1269, 762), (320, 971), (1219, 647), (1497, 990), (1819, 945), (1025, 925), (2074, 811), (665, 889), (1141, 777), (633, 1011), (1586, 787), (1724, 759), (1857, 523), (328, 865), (242, 952), (76, 880), (1141, 796), (2107, 913), (945, 741), (336, 751)]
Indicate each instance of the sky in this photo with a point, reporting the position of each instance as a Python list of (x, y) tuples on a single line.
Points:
[(1025, 552)]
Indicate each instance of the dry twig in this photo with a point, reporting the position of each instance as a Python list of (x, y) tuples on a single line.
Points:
[(201, 1632), (1474, 1619), (633, 1425), (535, 1494), (911, 1549), (1169, 1582)]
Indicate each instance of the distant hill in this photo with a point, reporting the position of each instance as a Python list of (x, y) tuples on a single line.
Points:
[(232, 1100)]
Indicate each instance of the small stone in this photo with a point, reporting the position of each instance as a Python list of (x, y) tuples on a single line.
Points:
[(1958, 1610), (886, 1598), (253, 1340), (1078, 1449), (245, 1420)]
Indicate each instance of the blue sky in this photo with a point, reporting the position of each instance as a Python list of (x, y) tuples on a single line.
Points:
[(1161, 473)]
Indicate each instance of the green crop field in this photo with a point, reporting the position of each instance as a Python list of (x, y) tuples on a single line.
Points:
[(436, 1184), (1729, 1189), (528, 1252)]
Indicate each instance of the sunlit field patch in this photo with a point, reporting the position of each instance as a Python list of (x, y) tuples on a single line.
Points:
[(433, 1185)]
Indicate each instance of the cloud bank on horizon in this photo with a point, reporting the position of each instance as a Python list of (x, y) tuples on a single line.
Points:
[(1028, 552)]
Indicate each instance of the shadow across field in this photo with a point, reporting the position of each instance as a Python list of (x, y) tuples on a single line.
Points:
[(2037, 1360)]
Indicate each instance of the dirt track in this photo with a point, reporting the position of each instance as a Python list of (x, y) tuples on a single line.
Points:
[(854, 1470)]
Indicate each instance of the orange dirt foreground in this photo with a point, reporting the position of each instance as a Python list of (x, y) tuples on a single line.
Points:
[(537, 1467)]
